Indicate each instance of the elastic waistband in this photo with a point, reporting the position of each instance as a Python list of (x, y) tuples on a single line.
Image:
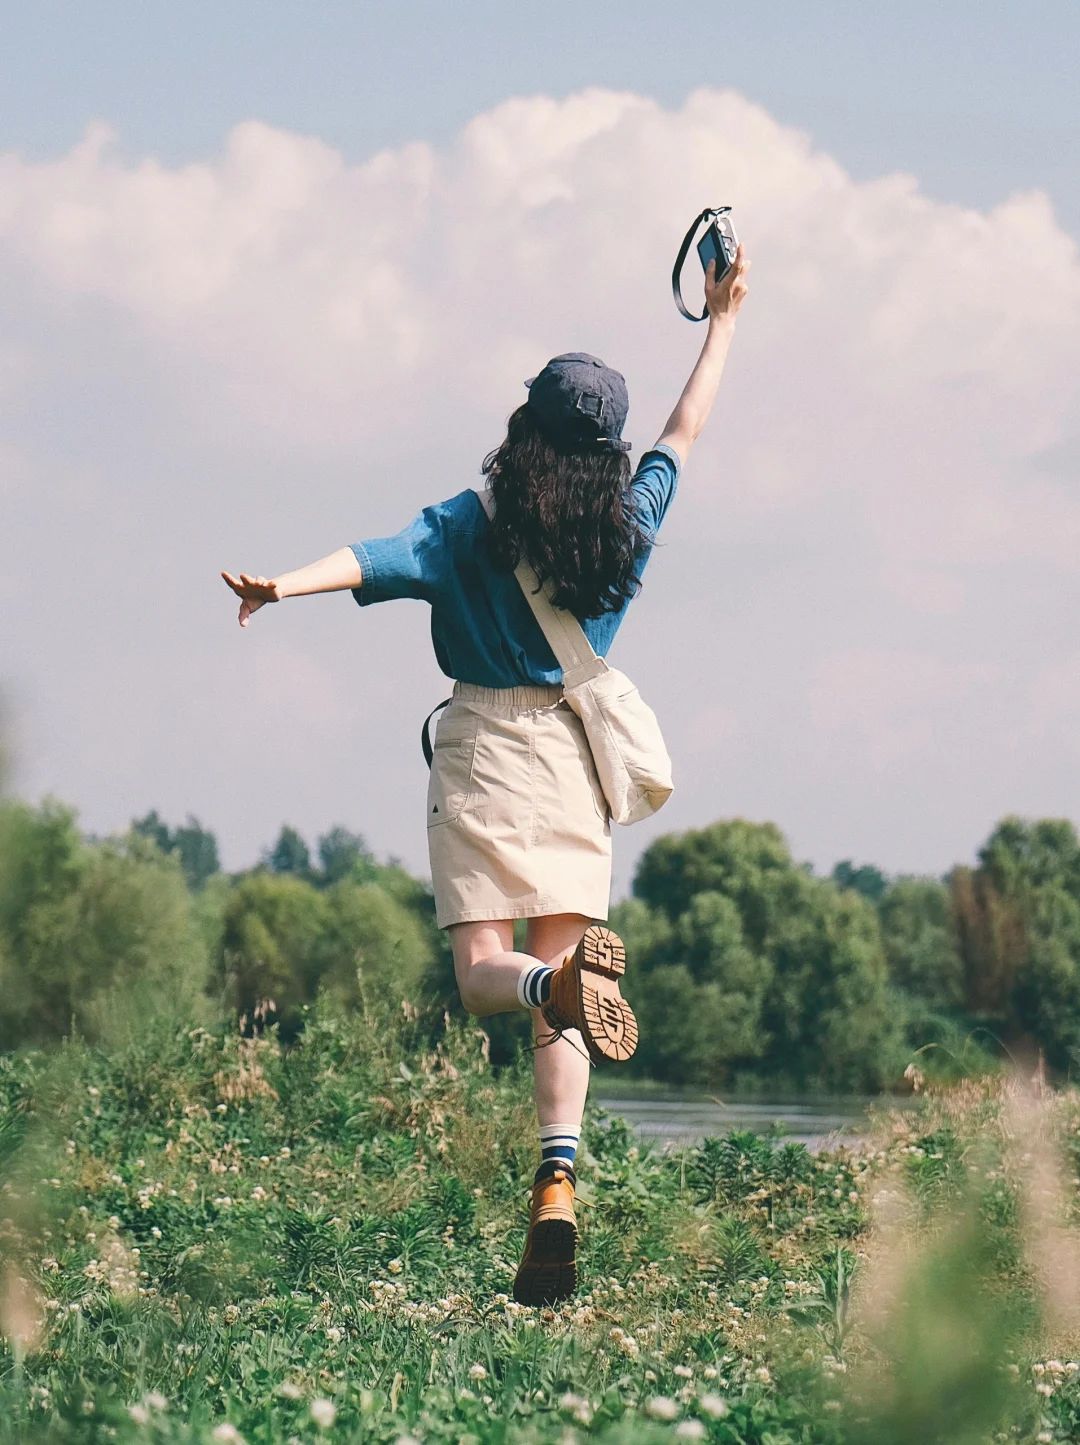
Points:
[(507, 699)]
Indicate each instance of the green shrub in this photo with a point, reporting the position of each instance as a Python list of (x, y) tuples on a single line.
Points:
[(282, 940), (91, 935)]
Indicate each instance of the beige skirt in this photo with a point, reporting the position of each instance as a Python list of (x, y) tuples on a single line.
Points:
[(518, 824)]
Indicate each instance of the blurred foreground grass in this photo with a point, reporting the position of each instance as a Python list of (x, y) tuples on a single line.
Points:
[(211, 1237)]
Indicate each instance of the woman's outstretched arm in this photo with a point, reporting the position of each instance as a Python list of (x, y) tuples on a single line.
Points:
[(692, 409), (337, 573)]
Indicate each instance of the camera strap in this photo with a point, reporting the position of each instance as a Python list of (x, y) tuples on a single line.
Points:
[(676, 276)]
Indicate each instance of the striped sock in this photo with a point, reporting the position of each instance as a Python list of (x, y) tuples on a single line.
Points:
[(534, 985), (558, 1143)]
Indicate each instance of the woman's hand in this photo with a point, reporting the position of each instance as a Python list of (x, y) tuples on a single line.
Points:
[(254, 592), (723, 298)]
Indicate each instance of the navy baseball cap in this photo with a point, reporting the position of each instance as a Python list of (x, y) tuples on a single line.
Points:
[(577, 396)]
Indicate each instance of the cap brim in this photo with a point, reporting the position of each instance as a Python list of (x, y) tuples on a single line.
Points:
[(530, 381)]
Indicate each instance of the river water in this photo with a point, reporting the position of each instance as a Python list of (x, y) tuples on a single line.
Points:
[(674, 1120)]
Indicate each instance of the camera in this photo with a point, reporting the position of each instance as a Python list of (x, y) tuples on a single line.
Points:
[(719, 243)]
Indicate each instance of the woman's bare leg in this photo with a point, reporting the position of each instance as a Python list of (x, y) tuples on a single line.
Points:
[(561, 1069), (487, 969)]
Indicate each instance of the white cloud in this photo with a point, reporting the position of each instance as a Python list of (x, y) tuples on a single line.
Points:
[(896, 449)]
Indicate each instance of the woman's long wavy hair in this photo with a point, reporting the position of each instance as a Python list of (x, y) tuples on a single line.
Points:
[(569, 510)]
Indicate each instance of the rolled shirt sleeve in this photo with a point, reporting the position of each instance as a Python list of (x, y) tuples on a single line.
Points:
[(412, 564), (654, 486)]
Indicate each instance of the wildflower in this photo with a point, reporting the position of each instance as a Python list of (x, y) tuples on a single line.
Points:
[(570, 1401), (333, 1334), (465, 1394), (226, 1434), (660, 1407), (323, 1412), (395, 1266), (709, 1372), (690, 1430), (406, 1440), (258, 1193), (155, 1232), (762, 1374), (1044, 1436), (684, 1372), (156, 1400), (477, 1372), (284, 1152), (140, 1414), (232, 1314), (714, 1405), (114, 1221), (1044, 1389), (832, 1404), (289, 1390), (223, 1108), (650, 1375)]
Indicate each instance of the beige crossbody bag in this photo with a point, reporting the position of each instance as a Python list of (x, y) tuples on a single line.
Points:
[(624, 736)]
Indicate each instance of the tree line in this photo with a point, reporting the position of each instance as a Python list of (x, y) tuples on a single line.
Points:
[(746, 967)]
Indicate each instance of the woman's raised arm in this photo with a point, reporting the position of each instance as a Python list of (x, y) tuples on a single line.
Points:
[(337, 573), (692, 409)]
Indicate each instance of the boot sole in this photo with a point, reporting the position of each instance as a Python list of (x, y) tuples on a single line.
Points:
[(611, 1029), (549, 1272)]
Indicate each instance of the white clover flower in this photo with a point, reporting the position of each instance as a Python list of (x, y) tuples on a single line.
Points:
[(223, 1108), (1044, 1437), (289, 1390), (333, 1334), (155, 1232), (465, 1394), (1044, 1389), (156, 1400), (258, 1193), (323, 1412), (406, 1440), (690, 1430), (226, 1434), (570, 1401), (477, 1372), (714, 1405), (395, 1266), (140, 1414), (661, 1407), (684, 1372), (762, 1374), (232, 1314)]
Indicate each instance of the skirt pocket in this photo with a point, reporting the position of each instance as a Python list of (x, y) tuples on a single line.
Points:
[(450, 782)]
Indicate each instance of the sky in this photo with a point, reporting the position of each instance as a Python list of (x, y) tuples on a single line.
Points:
[(271, 276)]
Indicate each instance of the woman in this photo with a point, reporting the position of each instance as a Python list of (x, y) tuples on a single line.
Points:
[(517, 823)]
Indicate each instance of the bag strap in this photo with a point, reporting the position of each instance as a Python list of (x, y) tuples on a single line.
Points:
[(564, 633), (676, 276), (425, 731)]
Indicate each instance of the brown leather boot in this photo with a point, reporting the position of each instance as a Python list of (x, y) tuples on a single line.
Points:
[(585, 996), (548, 1272)]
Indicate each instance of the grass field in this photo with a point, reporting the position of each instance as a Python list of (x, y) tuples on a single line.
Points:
[(206, 1237)]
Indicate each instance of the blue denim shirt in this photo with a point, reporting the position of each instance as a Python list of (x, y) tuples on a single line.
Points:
[(482, 627)]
